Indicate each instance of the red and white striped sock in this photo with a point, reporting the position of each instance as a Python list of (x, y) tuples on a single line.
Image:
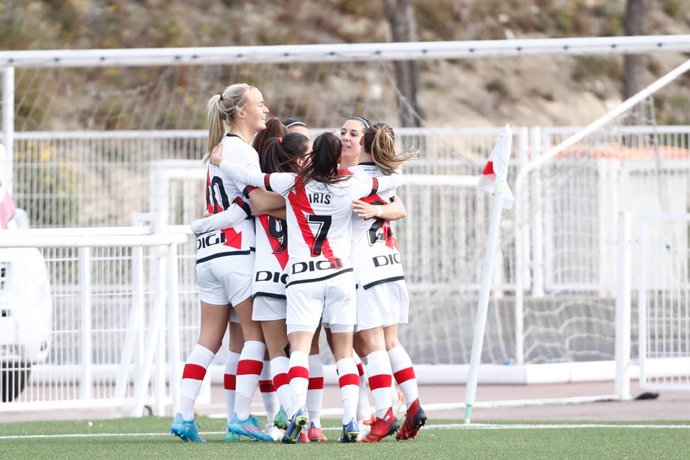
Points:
[(230, 382), (403, 372), (363, 406), (248, 372), (192, 377), (281, 381), (299, 381), (349, 387), (315, 390), (268, 393), (380, 379)]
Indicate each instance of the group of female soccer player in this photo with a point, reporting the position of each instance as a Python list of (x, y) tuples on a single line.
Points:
[(297, 237)]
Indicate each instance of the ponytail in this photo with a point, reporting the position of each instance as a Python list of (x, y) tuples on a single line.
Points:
[(379, 142), (220, 112), (325, 156), (281, 153)]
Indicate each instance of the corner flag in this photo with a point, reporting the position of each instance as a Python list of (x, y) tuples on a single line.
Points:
[(496, 170)]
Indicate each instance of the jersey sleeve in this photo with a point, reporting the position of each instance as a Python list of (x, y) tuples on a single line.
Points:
[(280, 182), (366, 186), (276, 182), (234, 215), (242, 175), (387, 183)]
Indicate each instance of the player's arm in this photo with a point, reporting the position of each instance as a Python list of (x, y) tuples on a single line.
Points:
[(234, 215), (276, 182), (236, 172), (386, 183), (278, 213), (265, 202), (392, 211)]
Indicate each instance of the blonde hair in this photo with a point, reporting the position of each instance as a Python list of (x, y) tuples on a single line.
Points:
[(221, 110), (379, 141)]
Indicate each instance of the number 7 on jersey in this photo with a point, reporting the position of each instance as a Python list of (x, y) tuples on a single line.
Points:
[(323, 223)]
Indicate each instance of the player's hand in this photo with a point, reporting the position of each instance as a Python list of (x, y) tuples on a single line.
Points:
[(363, 209), (197, 226), (216, 155)]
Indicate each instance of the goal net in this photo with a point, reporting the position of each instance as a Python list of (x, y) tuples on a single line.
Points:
[(568, 242), (96, 152)]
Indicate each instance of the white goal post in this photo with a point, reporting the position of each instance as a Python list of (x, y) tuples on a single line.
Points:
[(555, 311)]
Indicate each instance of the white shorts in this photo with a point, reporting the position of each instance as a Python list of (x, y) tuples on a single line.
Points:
[(382, 305), (269, 308), (331, 301), (226, 280)]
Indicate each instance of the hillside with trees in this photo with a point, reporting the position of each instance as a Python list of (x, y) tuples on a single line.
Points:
[(523, 90)]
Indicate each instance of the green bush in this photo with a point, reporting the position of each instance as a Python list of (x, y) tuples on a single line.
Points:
[(588, 67)]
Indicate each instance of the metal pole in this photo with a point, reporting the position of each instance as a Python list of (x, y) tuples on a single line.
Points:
[(483, 302), (7, 170), (85, 333), (174, 329), (623, 307)]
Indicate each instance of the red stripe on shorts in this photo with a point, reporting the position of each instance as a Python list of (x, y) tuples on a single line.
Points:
[(193, 371), (229, 381), (316, 383), (249, 366), (403, 375), (380, 381), (348, 379), (298, 372)]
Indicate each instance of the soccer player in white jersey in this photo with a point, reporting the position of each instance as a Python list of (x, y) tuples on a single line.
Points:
[(352, 139), (377, 263), (269, 283), (382, 299), (316, 373), (225, 266), (276, 153), (321, 281)]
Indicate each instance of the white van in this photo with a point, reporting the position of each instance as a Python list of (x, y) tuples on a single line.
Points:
[(26, 308)]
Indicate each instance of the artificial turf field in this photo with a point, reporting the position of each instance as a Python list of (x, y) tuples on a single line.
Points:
[(148, 438)]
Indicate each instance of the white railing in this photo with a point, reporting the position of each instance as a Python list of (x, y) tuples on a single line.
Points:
[(148, 348), (663, 300)]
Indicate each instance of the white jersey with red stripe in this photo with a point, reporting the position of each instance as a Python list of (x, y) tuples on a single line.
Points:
[(319, 218), (271, 257), (375, 253), (221, 192)]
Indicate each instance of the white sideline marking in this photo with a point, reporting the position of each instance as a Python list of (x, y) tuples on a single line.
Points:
[(449, 426)]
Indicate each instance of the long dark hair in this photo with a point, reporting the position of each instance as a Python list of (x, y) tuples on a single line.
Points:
[(325, 156), (281, 153), (274, 128)]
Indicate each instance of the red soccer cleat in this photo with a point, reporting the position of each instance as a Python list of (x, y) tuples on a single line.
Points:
[(315, 434), (382, 427), (303, 438), (414, 420)]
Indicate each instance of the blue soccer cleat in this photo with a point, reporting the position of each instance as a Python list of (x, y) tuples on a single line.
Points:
[(230, 436), (248, 427), (299, 421), (185, 430), (350, 432)]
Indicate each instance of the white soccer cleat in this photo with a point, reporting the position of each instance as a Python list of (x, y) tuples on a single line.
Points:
[(364, 427), (274, 432)]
